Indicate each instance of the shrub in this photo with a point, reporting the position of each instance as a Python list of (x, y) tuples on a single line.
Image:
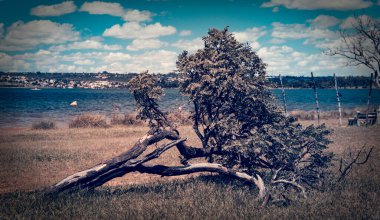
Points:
[(235, 115), (44, 124), (126, 119), (89, 120)]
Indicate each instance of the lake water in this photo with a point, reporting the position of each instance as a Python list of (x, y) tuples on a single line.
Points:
[(22, 107)]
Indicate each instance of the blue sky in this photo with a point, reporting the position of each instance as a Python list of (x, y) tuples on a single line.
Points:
[(136, 35)]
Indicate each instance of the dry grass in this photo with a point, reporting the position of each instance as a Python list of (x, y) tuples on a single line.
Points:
[(89, 120), (129, 119), (44, 125), (33, 159), (312, 115)]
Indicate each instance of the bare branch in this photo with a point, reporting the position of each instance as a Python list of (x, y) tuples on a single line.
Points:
[(354, 160), (292, 183)]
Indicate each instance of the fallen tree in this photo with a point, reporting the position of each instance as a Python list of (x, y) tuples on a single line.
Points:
[(244, 134)]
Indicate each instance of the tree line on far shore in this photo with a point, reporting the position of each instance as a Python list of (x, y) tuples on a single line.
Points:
[(171, 80)]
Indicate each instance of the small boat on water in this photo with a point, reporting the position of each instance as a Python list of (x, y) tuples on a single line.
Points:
[(35, 89), (74, 103)]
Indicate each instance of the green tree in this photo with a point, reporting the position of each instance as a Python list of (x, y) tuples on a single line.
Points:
[(235, 115), (243, 133)]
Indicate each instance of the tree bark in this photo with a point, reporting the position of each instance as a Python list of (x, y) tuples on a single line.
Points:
[(127, 162)]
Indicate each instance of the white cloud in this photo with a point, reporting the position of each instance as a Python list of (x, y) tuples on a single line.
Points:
[(299, 31), (320, 4), (276, 41), (250, 36), (98, 8), (10, 64), (134, 30), (116, 9), (112, 47), (324, 21), (86, 45), (136, 15), (24, 36), (351, 22), (54, 10), (189, 45), (140, 44), (287, 61), (84, 62), (185, 33), (118, 56), (159, 61)]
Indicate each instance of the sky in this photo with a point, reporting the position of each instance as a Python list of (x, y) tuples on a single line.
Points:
[(138, 35)]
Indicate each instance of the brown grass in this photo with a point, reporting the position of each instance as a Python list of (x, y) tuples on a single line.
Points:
[(89, 120), (312, 115), (33, 159), (129, 119)]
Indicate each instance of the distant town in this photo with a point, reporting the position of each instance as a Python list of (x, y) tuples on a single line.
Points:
[(106, 80)]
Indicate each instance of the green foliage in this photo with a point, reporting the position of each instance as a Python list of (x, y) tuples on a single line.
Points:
[(234, 112), (146, 92)]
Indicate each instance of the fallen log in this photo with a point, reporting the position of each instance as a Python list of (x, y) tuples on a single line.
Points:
[(85, 176), (127, 162)]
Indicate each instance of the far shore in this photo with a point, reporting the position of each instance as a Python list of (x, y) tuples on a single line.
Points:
[(286, 88)]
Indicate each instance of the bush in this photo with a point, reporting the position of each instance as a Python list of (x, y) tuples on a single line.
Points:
[(44, 124), (125, 119), (89, 120), (235, 116)]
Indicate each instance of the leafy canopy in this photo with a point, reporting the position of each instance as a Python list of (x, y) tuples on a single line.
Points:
[(235, 114)]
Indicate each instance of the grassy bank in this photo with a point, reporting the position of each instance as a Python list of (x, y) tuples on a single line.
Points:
[(33, 159)]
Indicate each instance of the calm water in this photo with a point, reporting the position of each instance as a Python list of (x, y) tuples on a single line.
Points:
[(22, 107)]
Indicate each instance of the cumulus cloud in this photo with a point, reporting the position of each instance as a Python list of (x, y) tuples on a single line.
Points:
[(250, 35), (185, 33), (99, 8), (10, 64), (320, 4), (134, 30), (136, 15), (286, 60), (276, 41), (24, 36), (140, 44), (155, 61), (351, 22), (84, 62), (158, 61), (86, 45), (324, 21), (117, 56), (299, 31), (189, 45), (116, 9), (54, 10)]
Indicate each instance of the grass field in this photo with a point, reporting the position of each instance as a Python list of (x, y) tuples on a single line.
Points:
[(33, 159)]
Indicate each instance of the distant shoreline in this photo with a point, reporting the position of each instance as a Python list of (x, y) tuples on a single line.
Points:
[(286, 88)]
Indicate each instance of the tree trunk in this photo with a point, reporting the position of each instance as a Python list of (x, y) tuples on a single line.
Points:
[(127, 162)]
